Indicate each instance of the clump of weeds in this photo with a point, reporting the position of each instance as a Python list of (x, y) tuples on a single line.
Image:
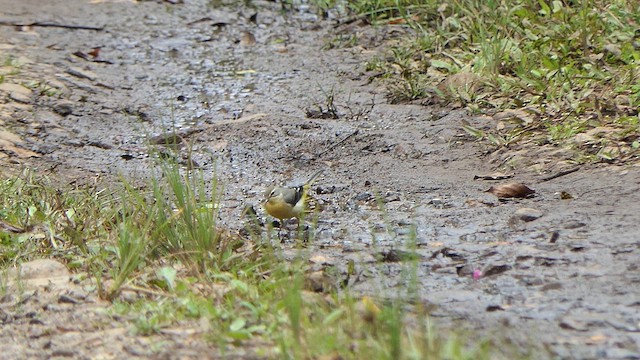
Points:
[(571, 66), (158, 253)]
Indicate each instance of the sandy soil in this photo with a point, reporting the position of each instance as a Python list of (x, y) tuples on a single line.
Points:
[(559, 275)]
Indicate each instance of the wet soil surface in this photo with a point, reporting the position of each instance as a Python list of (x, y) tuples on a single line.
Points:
[(554, 274)]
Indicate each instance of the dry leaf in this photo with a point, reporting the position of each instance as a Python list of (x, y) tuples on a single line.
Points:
[(563, 195), (95, 52), (511, 190), (247, 39), (462, 82)]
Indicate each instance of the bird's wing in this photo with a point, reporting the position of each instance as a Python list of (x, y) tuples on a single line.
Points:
[(292, 197)]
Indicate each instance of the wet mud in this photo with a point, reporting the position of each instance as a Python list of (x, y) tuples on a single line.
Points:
[(555, 273)]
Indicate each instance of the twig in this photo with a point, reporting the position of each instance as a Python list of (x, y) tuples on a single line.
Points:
[(561, 173), (333, 146), (146, 291), (10, 228), (50, 24), (351, 20)]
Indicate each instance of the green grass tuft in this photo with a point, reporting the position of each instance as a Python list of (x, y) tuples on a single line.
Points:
[(158, 254), (574, 62)]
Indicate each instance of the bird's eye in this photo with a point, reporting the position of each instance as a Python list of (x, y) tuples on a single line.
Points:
[(272, 193)]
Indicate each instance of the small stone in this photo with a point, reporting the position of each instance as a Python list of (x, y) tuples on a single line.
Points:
[(571, 323), (496, 269), (67, 299), (328, 189), (64, 353), (551, 286), (21, 98), (465, 270), (403, 231), (574, 224), (390, 197), (82, 74), (528, 214), (42, 268), (15, 88), (322, 260), (436, 202), (63, 108), (365, 196), (17, 93)]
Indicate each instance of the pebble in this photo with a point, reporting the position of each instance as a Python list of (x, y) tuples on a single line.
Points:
[(466, 270), (17, 92), (67, 299), (496, 269), (64, 353), (365, 196), (82, 74), (330, 189), (390, 197), (322, 260), (527, 214), (21, 98), (14, 88), (42, 268), (63, 107)]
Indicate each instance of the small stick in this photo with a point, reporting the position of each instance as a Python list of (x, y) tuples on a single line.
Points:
[(50, 24), (561, 173), (339, 143)]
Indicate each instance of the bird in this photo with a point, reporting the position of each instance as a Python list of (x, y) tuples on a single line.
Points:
[(288, 202)]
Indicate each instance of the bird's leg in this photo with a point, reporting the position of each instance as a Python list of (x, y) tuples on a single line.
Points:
[(302, 230), (279, 224), (289, 230), (285, 226)]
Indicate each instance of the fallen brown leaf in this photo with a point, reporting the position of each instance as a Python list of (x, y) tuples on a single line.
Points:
[(247, 39), (95, 52), (511, 190)]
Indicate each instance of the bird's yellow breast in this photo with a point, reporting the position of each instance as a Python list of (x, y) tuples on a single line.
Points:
[(278, 208)]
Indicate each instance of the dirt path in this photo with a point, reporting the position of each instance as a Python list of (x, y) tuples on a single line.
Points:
[(566, 281)]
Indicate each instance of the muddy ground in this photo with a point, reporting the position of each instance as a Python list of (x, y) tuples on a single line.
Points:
[(560, 277)]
